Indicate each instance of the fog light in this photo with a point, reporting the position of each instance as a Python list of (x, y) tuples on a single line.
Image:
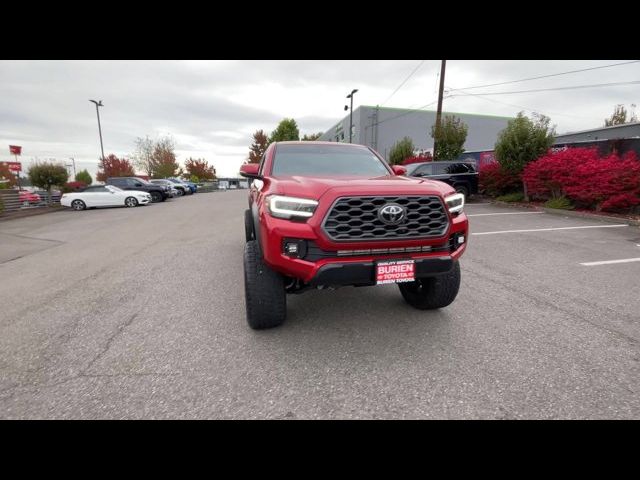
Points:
[(461, 239), (294, 248), (291, 248)]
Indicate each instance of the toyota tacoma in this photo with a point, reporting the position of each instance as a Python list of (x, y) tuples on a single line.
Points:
[(325, 215)]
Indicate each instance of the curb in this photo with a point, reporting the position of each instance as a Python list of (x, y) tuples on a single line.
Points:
[(591, 216), (514, 205), (29, 213)]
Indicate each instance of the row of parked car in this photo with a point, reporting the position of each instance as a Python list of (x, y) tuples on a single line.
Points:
[(127, 192)]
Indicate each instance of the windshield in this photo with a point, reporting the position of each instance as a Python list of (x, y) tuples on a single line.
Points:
[(333, 160), (113, 189)]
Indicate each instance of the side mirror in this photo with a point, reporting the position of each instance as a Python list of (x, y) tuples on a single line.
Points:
[(250, 170), (399, 170), (138, 184)]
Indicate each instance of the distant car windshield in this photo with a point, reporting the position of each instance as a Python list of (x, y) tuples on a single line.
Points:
[(412, 167), (317, 160)]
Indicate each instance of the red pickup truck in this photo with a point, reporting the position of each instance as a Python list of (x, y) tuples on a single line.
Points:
[(325, 215)]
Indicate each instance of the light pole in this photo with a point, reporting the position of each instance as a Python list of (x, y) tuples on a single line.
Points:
[(351, 114), (99, 104)]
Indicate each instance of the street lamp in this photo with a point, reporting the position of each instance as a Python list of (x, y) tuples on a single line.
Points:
[(351, 113), (99, 104)]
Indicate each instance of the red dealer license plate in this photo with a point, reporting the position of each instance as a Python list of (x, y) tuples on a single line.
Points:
[(395, 271)]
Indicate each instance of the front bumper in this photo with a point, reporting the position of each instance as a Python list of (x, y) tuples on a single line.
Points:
[(363, 273), (339, 263)]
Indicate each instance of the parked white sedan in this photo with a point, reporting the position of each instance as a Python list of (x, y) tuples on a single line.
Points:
[(104, 196)]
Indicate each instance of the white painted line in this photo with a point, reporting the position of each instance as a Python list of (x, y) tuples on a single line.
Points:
[(609, 262), (502, 213), (548, 229)]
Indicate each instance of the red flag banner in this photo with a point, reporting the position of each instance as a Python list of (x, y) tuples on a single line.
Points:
[(15, 150)]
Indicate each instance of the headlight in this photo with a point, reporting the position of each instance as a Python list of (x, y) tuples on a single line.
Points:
[(290, 207), (455, 202)]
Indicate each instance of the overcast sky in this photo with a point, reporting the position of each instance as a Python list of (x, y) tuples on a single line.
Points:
[(212, 108)]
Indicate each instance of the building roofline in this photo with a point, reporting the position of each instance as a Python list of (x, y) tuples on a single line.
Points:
[(578, 132), (434, 111)]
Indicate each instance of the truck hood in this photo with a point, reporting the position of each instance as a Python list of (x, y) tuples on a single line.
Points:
[(316, 187)]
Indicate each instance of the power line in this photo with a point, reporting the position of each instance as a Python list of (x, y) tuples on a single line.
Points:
[(405, 81), (573, 87), (547, 76), (407, 112), (535, 110)]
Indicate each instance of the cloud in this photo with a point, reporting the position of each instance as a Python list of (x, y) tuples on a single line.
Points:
[(212, 108)]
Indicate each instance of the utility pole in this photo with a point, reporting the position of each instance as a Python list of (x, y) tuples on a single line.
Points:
[(439, 112)]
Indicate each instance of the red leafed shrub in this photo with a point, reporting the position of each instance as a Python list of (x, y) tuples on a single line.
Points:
[(496, 181), (610, 183), (418, 159), (73, 187), (548, 176)]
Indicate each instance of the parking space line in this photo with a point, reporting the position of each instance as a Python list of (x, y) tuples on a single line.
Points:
[(609, 262), (548, 229), (502, 213)]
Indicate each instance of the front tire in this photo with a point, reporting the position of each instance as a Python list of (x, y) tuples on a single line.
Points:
[(464, 191), (432, 292), (156, 197), (130, 202), (249, 234), (78, 205), (265, 297)]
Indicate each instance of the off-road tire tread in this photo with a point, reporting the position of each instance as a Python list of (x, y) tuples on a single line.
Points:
[(440, 291), (265, 297), (248, 226)]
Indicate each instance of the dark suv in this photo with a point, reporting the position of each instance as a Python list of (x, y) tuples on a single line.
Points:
[(159, 193), (462, 176)]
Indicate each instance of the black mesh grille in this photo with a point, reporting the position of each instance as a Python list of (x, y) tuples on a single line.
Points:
[(356, 218)]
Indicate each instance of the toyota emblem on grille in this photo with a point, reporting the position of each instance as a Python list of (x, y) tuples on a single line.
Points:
[(391, 214)]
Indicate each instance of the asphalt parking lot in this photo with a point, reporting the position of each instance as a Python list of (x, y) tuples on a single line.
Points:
[(139, 313)]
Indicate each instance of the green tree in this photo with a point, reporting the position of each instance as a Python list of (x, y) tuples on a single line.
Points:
[(523, 141), (287, 130), (46, 175), (258, 147), (449, 138), (83, 176), (619, 117), (312, 137), (401, 150)]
